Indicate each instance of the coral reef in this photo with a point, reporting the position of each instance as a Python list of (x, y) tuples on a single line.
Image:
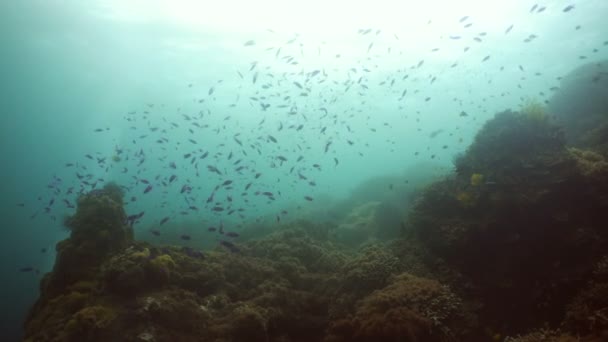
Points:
[(587, 313), (277, 288), (408, 309), (544, 335), (591, 164), (526, 236)]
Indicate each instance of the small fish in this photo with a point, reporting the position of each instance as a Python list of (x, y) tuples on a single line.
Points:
[(210, 198), (249, 43), (185, 237), (214, 169), (327, 146), (212, 229), (26, 269), (155, 232), (509, 29), (232, 234), (193, 253), (568, 8), (435, 133), (148, 189), (308, 198), (164, 220), (229, 245)]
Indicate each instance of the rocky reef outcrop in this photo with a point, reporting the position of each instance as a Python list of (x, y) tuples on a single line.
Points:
[(523, 218)]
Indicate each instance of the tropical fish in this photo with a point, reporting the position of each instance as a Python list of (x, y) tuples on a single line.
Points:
[(230, 246)]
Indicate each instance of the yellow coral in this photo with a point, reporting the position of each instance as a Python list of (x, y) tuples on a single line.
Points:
[(164, 261), (589, 163), (141, 254), (90, 318), (533, 110), (476, 179), (466, 198)]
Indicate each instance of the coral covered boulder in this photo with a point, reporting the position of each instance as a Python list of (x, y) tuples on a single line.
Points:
[(523, 218), (408, 309), (97, 229)]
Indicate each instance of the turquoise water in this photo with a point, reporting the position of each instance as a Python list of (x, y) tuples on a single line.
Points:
[(330, 94)]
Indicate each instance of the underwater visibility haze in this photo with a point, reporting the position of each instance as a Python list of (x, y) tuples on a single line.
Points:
[(304, 171)]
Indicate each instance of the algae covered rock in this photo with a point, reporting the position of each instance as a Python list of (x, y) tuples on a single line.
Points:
[(408, 309), (97, 229), (587, 313), (67, 306), (528, 233)]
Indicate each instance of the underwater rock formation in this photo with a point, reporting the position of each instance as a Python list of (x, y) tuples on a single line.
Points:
[(123, 290), (529, 234), (98, 229), (408, 309)]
